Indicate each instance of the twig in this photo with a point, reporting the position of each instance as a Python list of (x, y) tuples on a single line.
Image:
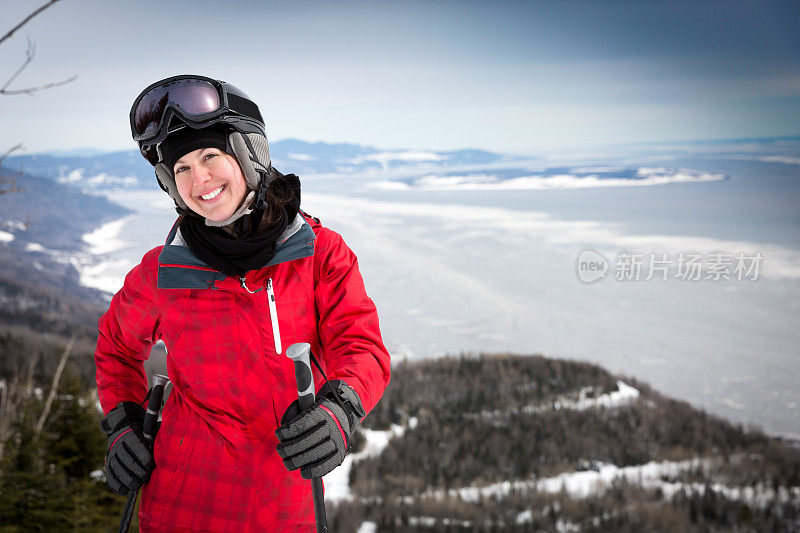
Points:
[(30, 53), (8, 391), (31, 369), (30, 90), (26, 20), (54, 387), (9, 151), (9, 179)]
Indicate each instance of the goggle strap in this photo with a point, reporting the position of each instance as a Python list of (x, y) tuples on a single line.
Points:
[(242, 105)]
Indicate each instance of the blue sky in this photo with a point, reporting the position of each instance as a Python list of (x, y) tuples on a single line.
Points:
[(520, 77)]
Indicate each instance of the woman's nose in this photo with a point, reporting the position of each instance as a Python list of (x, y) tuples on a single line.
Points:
[(201, 175)]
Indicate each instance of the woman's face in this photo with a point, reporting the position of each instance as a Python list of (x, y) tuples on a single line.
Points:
[(211, 183)]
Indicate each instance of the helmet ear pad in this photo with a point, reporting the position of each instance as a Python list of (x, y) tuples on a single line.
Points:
[(167, 181), (251, 151)]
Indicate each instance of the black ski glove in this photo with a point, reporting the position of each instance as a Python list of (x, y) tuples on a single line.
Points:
[(129, 460), (317, 439)]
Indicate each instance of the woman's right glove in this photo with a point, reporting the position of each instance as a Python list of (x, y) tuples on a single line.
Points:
[(129, 460), (317, 439)]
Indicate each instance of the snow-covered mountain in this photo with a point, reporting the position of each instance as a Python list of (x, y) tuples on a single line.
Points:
[(96, 172)]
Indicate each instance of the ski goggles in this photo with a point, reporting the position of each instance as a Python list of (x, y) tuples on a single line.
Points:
[(197, 101)]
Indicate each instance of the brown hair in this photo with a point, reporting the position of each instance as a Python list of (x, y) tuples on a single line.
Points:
[(279, 194)]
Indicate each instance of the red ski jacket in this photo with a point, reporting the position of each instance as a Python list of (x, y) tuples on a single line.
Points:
[(216, 464)]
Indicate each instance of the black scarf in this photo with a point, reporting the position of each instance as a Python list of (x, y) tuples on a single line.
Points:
[(252, 249)]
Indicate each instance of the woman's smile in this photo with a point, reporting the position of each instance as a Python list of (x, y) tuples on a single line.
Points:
[(213, 194)]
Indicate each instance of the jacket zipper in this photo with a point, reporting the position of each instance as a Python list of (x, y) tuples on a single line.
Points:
[(273, 311), (273, 315)]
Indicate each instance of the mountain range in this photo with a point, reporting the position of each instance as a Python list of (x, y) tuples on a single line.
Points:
[(93, 171)]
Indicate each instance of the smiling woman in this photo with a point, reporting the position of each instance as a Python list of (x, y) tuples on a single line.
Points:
[(209, 181), (254, 274)]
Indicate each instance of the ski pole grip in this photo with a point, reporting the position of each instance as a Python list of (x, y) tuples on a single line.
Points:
[(153, 407), (300, 353)]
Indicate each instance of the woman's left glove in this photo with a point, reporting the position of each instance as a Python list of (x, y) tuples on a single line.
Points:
[(317, 439), (129, 460)]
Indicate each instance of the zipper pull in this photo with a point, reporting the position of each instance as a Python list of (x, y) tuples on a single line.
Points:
[(273, 315), (244, 285)]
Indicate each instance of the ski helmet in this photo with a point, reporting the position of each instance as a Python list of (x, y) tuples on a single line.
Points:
[(172, 107)]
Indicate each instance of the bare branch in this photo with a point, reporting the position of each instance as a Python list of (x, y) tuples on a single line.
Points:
[(8, 182), (30, 90), (54, 387), (8, 391), (10, 151), (31, 369), (26, 20), (13, 394), (9, 185), (30, 53)]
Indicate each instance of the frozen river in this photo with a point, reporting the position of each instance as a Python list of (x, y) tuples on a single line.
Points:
[(455, 269)]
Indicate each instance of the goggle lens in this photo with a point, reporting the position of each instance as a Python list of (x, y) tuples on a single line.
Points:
[(194, 97)]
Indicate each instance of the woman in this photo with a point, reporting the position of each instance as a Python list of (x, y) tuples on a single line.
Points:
[(243, 274)]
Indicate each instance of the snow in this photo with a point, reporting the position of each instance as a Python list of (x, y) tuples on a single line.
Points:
[(106, 239), (576, 484), (430, 521), (390, 186), (74, 175), (404, 156), (77, 177), (645, 176), (652, 475), (409, 156), (563, 526), (302, 157), (524, 517), (15, 224), (102, 275), (6, 237), (337, 484), (768, 159), (624, 395), (108, 179), (783, 263), (368, 527)]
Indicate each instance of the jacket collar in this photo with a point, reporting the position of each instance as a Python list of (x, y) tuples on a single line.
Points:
[(179, 268)]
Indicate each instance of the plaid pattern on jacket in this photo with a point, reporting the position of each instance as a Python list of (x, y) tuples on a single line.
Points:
[(216, 464)]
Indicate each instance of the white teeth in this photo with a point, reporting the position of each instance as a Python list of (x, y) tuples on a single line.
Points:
[(212, 194)]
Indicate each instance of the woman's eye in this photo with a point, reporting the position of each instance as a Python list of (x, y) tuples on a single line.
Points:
[(181, 169), (209, 156)]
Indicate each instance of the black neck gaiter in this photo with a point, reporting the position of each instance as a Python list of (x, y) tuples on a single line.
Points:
[(234, 256)]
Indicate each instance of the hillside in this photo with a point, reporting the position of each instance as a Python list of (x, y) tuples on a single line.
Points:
[(512, 443)]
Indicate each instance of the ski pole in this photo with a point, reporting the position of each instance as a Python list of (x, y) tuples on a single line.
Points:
[(149, 425), (299, 353)]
